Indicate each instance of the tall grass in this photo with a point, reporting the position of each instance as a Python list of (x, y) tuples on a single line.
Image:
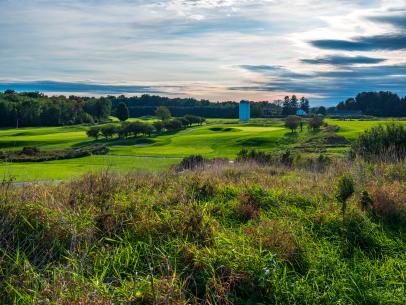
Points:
[(239, 233)]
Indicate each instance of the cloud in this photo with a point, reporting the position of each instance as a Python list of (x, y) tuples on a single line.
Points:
[(397, 20), (200, 47), (273, 70), (343, 60), (368, 43), (335, 85), (78, 87)]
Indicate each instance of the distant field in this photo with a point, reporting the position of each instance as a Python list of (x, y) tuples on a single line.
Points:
[(219, 138), (65, 169)]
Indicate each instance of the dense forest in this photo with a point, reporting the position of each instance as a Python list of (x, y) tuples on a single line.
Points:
[(37, 109), (384, 104), (146, 105)]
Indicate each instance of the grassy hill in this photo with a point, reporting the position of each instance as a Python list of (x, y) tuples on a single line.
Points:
[(218, 139), (222, 234)]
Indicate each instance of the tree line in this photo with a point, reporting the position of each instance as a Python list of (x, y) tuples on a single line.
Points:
[(384, 104), (292, 105), (135, 129), (37, 109), (146, 105)]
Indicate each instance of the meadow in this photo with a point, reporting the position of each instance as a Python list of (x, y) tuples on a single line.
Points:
[(219, 138), (219, 234)]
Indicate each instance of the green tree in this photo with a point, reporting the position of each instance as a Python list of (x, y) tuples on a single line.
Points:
[(304, 105), (286, 109), (108, 131), (315, 122), (292, 122), (163, 113), (294, 106), (93, 132), (159, 125), (122, 112)]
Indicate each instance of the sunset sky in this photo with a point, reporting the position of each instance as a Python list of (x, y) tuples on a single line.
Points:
[(326, 50)]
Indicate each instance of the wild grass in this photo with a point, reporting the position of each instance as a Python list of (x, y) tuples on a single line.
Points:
[(239, 233)]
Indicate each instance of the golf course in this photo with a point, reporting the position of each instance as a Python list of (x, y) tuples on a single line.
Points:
[(218, 138)]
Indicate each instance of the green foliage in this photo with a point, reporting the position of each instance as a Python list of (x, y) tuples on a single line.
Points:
[(344, 189), (159, 125), (382, 142), (163, 113), (384, 104), (37, 109), (172, 125), (34, 154), (292, 122), (122, 112), (315, 122), (225, 234), (94, 132), (191, 162), (108, 131)]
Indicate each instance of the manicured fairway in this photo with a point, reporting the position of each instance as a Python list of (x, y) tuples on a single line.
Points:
[(44, 137), (211, 141), (351, 129), (219, 138), (65, 169)]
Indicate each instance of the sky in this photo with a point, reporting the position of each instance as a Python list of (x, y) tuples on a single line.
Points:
[(325, 50)]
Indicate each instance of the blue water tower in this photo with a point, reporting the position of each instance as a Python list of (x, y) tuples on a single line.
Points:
[(245, 111)]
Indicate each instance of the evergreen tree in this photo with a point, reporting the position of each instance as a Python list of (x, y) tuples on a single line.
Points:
[(122, 112), (304, 104), (286, 109), (294, 105)]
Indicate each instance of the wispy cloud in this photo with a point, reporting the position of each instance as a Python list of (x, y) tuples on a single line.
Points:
[(261, 49), (343, 60)]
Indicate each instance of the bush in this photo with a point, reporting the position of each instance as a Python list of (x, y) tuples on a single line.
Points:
[(344, 190), (94, 132), (34, 154), (191, 162), (385, 143), (108, 131), (172, 125), (253, 155), (315, 122), (159, 125)]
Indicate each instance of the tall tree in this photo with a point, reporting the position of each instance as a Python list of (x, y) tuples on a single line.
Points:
[(286, 108), (292, 122), (294, 106), (163, 113), (304, 104), (122, 112)]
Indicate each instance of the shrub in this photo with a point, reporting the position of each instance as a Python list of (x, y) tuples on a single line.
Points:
[(191, 162), (344, 190), (385, 143), (315, 122), (159, 125), (253, 155), (93, 132), (30, 151), (33, 154), (108, 131), (287, 158), (173, 124)]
